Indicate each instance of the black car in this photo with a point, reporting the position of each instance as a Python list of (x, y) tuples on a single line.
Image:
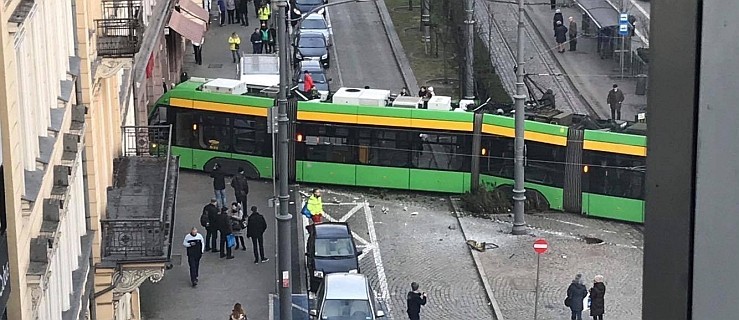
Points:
[(330, 249), (304, 6), (311, 46)]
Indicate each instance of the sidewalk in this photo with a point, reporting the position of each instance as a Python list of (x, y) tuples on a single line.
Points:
[(590, 76), (510, 268)]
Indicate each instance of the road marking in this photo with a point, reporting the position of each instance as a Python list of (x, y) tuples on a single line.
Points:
[(381, 277), (351, 212), (336, 52), (295, 306), (271, 307)]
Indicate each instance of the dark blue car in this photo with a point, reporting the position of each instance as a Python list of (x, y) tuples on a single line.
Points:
[(304, 6), (330, 249)]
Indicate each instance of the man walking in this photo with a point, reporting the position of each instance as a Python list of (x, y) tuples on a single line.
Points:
[(224, 228), (256, 41), (615, 98), (195, 248), (219, 185), (208, 220), (197, 48), (241, 187), (573, 34), (415, 300), (255, 228)]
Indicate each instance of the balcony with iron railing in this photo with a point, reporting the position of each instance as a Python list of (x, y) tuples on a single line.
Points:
[(120, 31), (141, 203)]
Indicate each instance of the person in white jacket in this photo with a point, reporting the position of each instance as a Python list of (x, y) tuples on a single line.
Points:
[(195, 247)]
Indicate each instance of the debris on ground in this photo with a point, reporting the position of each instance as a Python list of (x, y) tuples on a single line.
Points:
[(477, 246)]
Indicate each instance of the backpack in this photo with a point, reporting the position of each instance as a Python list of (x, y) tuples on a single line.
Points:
[(204, 220), (305, 211)]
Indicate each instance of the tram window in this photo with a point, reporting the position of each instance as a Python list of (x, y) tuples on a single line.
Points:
[(498, 160), (215, 132), (615, 175), (442, 152), (328, 144), (390, 148), (184, 121), (545, 164), (248, 137)]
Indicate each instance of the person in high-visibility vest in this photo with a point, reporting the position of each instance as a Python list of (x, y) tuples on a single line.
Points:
[(264, 12), (315, 206)]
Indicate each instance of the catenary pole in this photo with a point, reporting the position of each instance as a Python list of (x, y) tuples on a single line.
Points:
[(519, 193), (426, 24), (283, 217), (469, 86)]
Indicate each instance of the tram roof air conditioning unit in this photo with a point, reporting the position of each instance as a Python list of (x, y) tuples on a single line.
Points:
[(440, 103), (374, 97), (349, 96), (229, 86), (407, 102)]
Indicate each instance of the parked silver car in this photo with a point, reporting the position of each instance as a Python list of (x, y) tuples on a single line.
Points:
[(345, 296), (317, 23)]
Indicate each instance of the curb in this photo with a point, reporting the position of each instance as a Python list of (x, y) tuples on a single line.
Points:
[(400, 58), (478, 264)]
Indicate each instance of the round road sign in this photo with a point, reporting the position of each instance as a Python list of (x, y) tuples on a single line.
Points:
[(541, 246)]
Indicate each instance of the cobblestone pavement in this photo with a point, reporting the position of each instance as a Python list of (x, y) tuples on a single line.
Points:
[(419, 240), (511, 267)]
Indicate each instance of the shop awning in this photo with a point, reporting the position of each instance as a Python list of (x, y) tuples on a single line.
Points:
[(194, 9), (600, 11), (189, 29)]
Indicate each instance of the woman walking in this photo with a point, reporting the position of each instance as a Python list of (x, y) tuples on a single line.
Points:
[(238, 313), (597, 298), (237, 220)]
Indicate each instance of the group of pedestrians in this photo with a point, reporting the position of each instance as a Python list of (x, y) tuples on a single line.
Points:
[(577, 292), (561, 32)]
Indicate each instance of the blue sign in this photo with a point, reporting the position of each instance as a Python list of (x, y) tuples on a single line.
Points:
[(623, 24)]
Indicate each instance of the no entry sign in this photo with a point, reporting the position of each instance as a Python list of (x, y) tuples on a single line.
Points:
[(541, 246)]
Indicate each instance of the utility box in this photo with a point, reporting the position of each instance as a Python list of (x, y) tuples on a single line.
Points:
[(374, 97), (407, 102), (440, 103), (348, 96), (229, 86)]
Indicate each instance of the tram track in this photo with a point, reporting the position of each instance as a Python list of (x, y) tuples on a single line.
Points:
[(576, 103)]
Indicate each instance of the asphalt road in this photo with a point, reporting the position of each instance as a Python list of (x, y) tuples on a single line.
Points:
[(361, 54), (222, 282)]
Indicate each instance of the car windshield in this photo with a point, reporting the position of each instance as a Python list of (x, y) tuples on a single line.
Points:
[(311, 42), (313, 24), (346, 310), (335, 247)]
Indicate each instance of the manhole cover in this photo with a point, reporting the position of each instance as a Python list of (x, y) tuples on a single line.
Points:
[(215, 65), (592, 240)]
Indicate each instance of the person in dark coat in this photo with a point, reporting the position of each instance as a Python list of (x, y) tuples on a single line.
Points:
[(272, 39), (257, 5), (224, 228), (597, 298), (256, 42), (222, 12), (242, 10), (219, 185), (241, 187), (547, 99), (573, 34), (557, 17), (614, 100), (560, 35), (415, 299), (575, 295), (211, 236), (255, 227)]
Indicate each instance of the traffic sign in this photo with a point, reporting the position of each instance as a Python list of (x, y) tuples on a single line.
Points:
[(541, 246), (623, 24)]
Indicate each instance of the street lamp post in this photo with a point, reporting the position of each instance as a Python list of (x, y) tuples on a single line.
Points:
[(519, 192), (284, 217)]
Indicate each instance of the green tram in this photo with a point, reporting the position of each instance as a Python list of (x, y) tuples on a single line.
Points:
[(596, 173)]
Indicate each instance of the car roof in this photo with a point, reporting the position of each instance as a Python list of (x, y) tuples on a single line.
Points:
[(312, 35), (310, 65), (315, 16), (348, 286), (332, 230)]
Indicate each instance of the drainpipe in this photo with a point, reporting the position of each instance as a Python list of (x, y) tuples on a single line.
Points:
[(78, 81)]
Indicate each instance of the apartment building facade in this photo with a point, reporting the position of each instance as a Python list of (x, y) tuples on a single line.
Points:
[(72, 76)]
